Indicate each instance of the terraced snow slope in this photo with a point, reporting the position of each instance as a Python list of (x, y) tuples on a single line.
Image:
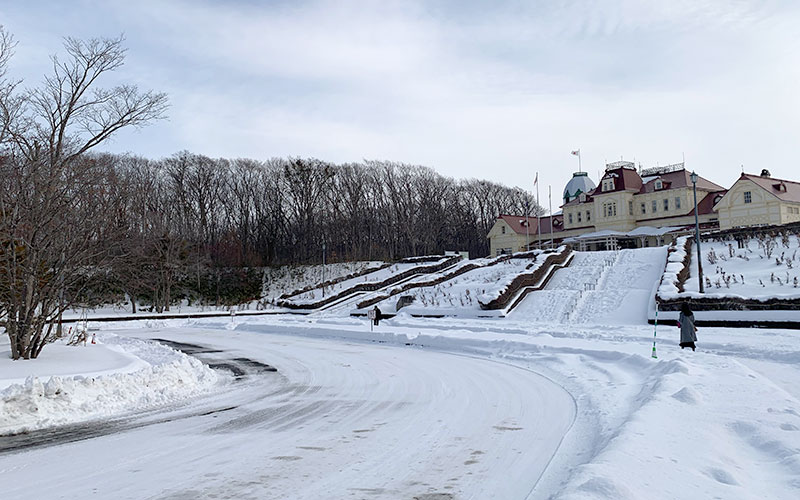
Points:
[(598, 287)]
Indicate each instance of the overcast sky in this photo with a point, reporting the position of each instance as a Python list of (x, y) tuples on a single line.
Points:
[(494, 90)]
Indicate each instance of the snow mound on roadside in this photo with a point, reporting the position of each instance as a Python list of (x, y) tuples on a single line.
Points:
[(170, 377)]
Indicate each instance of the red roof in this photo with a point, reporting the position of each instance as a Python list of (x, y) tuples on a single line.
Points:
[(678, 179), (625, 179), (781, 188), (517, 224), (706, 205)]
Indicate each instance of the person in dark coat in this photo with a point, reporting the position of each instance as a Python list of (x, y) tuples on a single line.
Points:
[(686, 324), (377, 315)]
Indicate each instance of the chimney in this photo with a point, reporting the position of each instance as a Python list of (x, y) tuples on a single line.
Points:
[(765, 173)]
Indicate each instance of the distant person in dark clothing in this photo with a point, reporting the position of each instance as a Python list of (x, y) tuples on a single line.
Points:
[(377, 315), (686, 324)]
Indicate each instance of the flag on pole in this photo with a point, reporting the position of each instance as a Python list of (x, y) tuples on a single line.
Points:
[(577, 153)]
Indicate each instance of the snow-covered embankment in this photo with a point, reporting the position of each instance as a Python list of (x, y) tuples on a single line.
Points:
[(75, 384)]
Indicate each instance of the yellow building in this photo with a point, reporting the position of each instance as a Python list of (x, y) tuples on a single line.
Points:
[(755, 200), (628, 208)]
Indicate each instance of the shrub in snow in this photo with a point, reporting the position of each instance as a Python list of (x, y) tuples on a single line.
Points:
[(712, 256)]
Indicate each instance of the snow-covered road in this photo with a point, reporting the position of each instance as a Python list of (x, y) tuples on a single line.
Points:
[(338, 420)]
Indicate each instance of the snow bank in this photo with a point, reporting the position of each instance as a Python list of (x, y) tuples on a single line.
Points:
[(121, 376), (675, 264)]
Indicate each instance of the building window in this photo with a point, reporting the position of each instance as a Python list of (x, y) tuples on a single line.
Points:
[(608, 184), (610, 209), (666, 205), (579, 216), (569, 218), (660, 185), (655, 207), (588, 216), (644, 208), (678, 203), (630, 208), (748, 197), (502, 229)]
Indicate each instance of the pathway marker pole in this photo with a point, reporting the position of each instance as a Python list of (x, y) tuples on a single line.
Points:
[(655, 327)]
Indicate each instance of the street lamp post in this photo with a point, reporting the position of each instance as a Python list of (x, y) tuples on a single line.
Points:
[(323, 269), (693, 176)]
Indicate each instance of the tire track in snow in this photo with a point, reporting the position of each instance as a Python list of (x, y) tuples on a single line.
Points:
[(378, 421)]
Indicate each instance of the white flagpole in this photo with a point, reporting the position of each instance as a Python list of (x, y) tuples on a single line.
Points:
[(550, 196), (580, 168), (538, 219), (527, 226)]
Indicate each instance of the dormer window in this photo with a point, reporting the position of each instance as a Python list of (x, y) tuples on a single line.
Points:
[(781, 187), (608, 184), (582, 197), (659, 185)]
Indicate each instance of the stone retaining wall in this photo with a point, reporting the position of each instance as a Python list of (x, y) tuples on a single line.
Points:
[(526, 280)]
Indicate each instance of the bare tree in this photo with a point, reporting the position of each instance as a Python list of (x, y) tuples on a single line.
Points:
[(56, 227)]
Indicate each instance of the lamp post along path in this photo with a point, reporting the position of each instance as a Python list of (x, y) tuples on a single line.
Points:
[(323, 269), (693, 176)]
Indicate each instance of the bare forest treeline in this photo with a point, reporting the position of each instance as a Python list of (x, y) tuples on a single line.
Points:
[(198, 228), (250, 213)]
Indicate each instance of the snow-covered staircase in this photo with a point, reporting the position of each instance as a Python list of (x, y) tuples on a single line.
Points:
[(597, 287)]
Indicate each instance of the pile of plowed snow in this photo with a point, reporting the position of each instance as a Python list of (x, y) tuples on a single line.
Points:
[(116, 376)]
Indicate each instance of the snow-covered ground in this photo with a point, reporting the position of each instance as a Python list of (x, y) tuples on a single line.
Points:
[(460, 294), (752, 271), (286, 279), (446, 408), (376, 276), (472, 408)]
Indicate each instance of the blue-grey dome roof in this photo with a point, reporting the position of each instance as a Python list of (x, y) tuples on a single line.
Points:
[(580, 183)]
